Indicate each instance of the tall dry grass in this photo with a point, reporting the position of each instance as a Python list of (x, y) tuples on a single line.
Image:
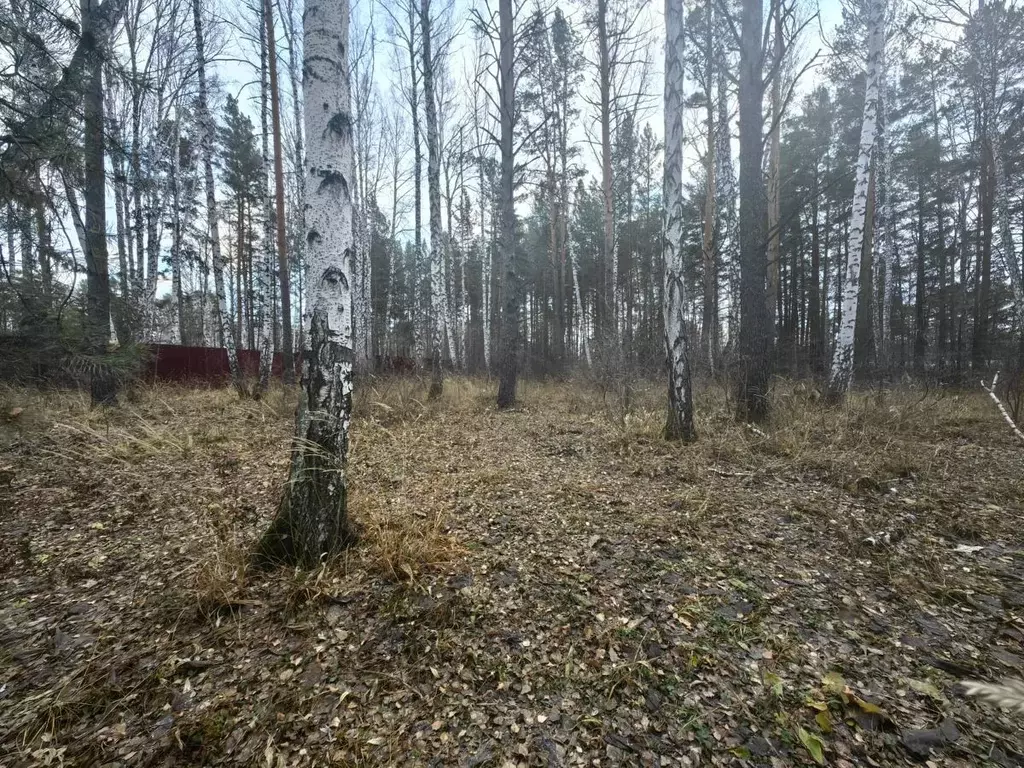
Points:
[(404, 527)]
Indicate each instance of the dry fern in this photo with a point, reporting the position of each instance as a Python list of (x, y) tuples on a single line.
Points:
[(1008, 695)]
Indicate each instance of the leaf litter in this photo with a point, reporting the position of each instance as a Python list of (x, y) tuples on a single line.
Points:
[(552, 586)]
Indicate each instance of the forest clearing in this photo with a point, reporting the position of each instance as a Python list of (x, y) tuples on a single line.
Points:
[(508, 383), (550, 585)]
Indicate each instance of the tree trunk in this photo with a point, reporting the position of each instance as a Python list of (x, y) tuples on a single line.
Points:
[(103, 384), (298, 217), (283, 265), (176, 230), (584, 336), (510, 321), (725, 207), (487, 300), (708, 246), (755, 322), (842, 360), (226, 337), (774, 177), (239, 307), (609, 315), (417, 155), (1007, 253), (312, 520), (679, 424), (437, 281), (986, 202), (815, 330), (885, 262), (121, 314), (267, 326), (920, 315)]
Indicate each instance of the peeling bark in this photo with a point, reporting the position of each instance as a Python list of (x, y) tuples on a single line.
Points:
[(679, 424)]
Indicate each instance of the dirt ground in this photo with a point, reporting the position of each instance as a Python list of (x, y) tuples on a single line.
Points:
[(551, 586)]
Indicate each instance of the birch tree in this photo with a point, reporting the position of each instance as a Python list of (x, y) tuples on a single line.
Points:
[(480, 113), (283, 265), (885, 238), (267, 267), (1006, 248), (578, 298), (436, 258), (679, 424), (842, 359), (226, 334), (312, 521)]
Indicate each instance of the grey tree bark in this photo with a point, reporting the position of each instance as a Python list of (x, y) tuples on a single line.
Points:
[(103, 385), (774, 174), (510, 322), (755, 332)]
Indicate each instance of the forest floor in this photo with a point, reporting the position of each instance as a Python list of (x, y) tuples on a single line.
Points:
[(554, 585)]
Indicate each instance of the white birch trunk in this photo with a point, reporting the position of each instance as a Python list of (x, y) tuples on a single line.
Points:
[(226, 335), (842, 360), (298, 217), (725, 207), (679, 424), (463, 304), (485, 278), (266, 274), (360, 270), (1006, 250), (312, 520), (578, 299), (437, 281), (178, 327), (153, 234), (451, 325), (886, 240), (774, 177)]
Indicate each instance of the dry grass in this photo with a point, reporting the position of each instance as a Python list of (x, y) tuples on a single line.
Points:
[(481, 529)]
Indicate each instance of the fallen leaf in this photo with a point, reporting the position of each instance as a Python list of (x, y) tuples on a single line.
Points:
[(925, 688), (833, 682), (824, 721), (812, 744)]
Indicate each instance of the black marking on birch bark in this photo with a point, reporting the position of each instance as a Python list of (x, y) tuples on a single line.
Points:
[(340, 124), (334, 276), (330, 177), (313, 237)]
